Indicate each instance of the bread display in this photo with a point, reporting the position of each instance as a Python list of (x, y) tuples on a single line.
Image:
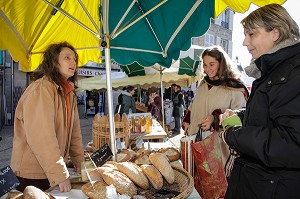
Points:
[(32, 192), (153, 175), (172, 153), (161, 162), (99, 192), (134, 173), (122, 183)]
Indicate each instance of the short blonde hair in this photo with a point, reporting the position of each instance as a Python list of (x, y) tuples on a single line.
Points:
[(272, 16)]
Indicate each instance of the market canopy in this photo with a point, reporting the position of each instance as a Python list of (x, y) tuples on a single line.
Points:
[(120, 80), (148, 32)]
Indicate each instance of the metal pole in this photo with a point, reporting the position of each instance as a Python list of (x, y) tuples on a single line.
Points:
[(108, 79), (162, 98), (12, 91)]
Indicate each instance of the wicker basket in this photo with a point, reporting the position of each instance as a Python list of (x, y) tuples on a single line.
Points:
[(101, 133), (184, 183)]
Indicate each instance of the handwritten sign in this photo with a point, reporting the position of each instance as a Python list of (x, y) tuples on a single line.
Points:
[(8, 180), (102, 155)]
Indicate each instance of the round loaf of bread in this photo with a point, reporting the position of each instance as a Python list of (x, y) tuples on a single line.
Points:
[(172, 153), (122, 183), (153, 175), (134, 173), (161, 162), (32, 192), (99, 192)]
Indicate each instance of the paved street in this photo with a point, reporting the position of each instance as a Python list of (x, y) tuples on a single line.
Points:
[(86, 128)]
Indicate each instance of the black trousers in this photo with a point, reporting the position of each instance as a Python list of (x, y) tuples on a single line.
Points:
[(42, 184)]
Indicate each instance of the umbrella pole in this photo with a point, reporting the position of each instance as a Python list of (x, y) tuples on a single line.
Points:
[(108, 79), (162, 99)]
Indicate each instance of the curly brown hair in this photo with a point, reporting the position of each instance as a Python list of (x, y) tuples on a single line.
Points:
[(49, 65)]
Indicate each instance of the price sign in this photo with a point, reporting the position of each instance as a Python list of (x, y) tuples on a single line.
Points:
[(8, 180), (102, 155)]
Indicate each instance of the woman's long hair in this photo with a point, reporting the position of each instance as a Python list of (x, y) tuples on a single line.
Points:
[(226, 69), (49, 65)]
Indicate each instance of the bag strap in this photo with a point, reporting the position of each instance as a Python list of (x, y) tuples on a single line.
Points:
[(199, 135)]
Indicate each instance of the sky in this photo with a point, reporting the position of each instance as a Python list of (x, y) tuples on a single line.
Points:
[(239, 50)]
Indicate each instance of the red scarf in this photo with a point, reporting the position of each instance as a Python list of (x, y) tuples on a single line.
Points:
[(68, 87)]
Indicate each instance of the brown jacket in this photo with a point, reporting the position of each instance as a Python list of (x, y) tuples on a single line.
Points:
[(42, 140)]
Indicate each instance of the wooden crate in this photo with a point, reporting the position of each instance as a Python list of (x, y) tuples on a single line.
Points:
[(101, 133)]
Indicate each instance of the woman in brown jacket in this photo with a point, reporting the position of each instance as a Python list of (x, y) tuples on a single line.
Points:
[(47, 127)]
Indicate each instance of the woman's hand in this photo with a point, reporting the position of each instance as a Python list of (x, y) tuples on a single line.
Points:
[(226, 114), (65, 186), (206, 122), (185, 125)]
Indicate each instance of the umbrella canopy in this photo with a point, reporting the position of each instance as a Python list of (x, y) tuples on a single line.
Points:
[(28, 27)]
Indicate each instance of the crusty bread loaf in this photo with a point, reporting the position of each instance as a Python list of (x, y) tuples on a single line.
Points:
[(126, 155), (14, 194), (134, 173), (99, 192), (95, 174), (172, 153), (143, 158), (32, 192), (161, 162), (153, 175), (122, 183)]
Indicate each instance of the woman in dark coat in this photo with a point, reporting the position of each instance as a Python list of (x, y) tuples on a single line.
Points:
[(268, 143)]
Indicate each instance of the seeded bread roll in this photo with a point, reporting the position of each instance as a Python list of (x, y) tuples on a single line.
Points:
[(32, 192), (134, 173), (172, 153), (99, 192), (161, 162), (122, 183), (153, 175)]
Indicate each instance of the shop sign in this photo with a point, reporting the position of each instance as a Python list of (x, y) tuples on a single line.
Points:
[(90, 72)]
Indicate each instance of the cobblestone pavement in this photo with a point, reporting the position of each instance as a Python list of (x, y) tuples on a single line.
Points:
[(86, 128)]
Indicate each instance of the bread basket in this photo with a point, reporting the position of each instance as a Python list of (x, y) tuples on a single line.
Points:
[(184, 183)]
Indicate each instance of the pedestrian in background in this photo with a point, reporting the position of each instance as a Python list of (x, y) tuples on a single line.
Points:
[(268, 143), (128, 100), (154, 104), (46, 125), (178, 108)]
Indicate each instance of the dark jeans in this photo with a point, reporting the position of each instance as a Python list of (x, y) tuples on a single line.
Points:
[(42, 184), (177, 124)]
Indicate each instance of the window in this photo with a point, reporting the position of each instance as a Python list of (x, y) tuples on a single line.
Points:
[(224, 44), (224, 17), (209, 40)]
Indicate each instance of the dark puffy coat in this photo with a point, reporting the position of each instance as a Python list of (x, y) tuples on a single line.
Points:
[(269, 141)]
